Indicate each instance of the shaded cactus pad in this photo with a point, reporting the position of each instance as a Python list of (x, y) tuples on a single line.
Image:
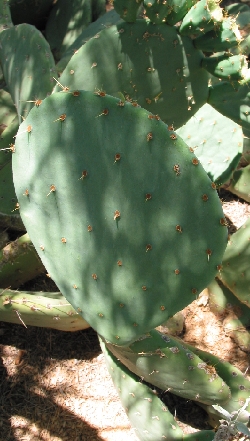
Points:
[(121, 212)]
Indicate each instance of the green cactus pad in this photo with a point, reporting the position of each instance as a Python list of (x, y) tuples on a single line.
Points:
[(50, 310), (148, 415), (7, 142), (161, 360), (120, 211), (21, 48), (240, 183), (216, 140), (8, 199), (232, 100), (156, 11), (67, 20), (92, 31), (5, 16), (222, 39), (19, 263), (223, 303), (239, 385), (150, 64), (235, 272), (178, 9), (127, 9), (234, 68), (204, 16), (7, 109)]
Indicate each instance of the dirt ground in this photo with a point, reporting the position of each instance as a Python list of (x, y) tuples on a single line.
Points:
[(54, 386)]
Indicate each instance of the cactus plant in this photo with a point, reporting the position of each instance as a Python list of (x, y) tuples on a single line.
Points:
[(19, 263), (50, 310), (155, 356), (240, 183), (28, 48), (219, 151), (130, 193), (235, 265), (67, 21), (150, 418), (235, 315), (91, 31)]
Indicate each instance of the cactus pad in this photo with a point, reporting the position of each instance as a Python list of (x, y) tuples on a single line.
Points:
[(119, 209), (150, 64), (50, 310), (235, 272), (148, 415), (163, 361), (216, 140)]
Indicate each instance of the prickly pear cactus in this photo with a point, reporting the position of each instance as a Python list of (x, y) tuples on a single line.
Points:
[(134, 220), (218, 150), (21, 48), (68, 19), (48, 310), (235, 271), (135, 394), (240, 183), (232, 100), (155, 357), (92, 31), (19, 263), (129, 58), (235, 315), (149, 416)]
